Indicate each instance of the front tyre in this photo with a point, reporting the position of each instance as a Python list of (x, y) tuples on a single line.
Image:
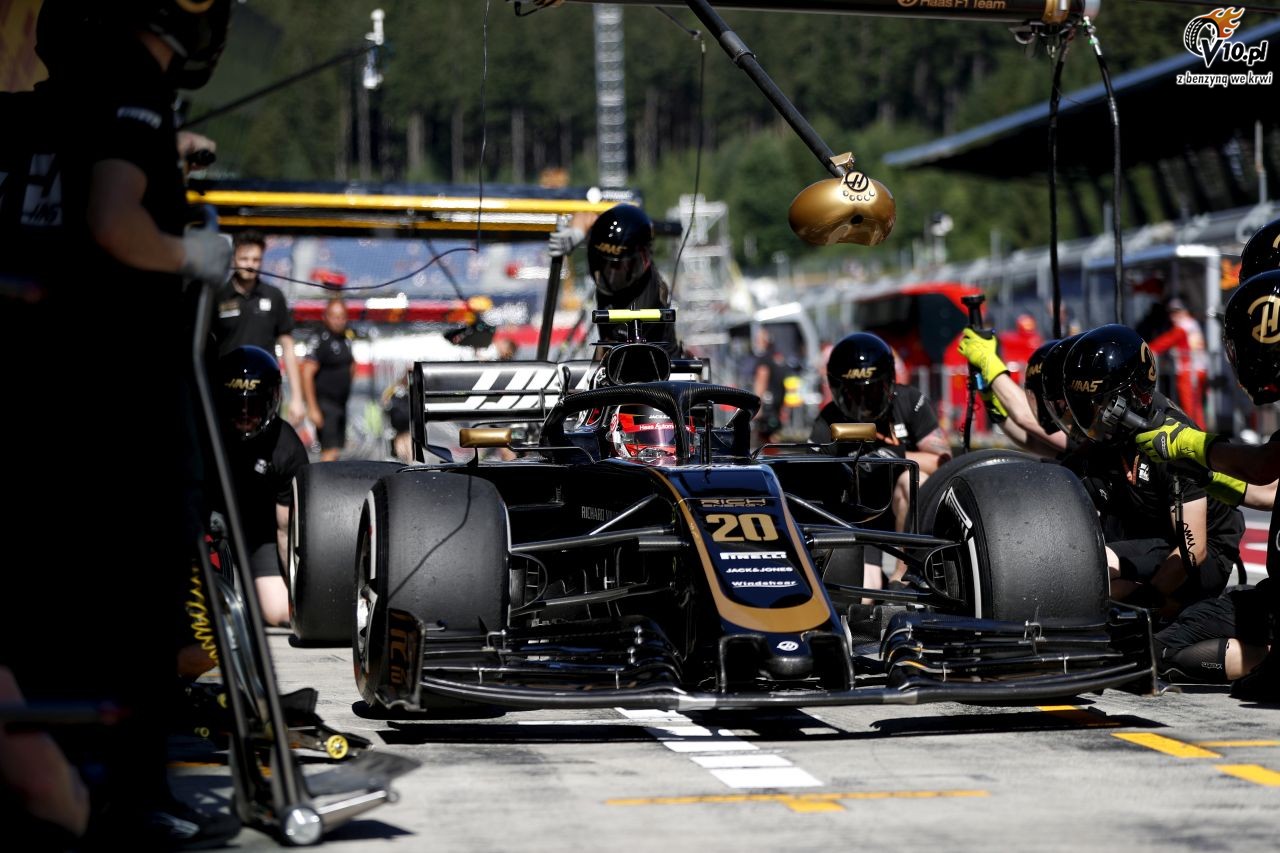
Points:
[(1032, 547), (433, 544)]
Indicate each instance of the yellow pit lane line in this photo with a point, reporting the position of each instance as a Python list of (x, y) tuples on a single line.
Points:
[(1079, 716), (1167, 745), (1252, 773), (807, 803), (1227, 744)]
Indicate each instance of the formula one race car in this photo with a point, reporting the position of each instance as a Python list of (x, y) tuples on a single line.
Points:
[(638, 555)]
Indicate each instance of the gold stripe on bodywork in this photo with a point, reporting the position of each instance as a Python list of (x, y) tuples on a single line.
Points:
[(783, 620)]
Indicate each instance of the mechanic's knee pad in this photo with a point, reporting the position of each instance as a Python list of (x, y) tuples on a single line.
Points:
[(1204, 662)]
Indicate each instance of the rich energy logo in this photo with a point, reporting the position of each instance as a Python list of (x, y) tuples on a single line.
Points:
[(1210, 38), (1268, 329)]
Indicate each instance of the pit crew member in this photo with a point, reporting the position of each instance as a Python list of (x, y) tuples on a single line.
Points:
[(860, 371), (1230, 635), (264, 454), (1168, 542)]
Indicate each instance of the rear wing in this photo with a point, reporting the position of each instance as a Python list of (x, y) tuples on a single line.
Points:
[(489, 392)]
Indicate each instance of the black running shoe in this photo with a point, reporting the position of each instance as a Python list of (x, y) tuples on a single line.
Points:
[(178, 826), (1262, 683)]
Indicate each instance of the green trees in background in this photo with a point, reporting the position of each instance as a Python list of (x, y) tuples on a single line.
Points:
[(870, 84)]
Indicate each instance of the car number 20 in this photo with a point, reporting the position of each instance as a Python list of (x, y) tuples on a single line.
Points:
[(748, 526)]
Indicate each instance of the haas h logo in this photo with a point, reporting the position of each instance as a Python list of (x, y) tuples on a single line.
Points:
[(1149, 360), (1268, 329)]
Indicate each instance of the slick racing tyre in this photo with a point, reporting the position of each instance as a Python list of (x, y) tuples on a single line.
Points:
[(931, 489), (434, 545), (323, 520), (1031, 545)]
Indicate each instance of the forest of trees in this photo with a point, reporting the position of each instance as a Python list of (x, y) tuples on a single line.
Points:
[(868, 84)]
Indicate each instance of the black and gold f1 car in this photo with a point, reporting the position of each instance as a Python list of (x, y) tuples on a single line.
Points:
[(570, 577)]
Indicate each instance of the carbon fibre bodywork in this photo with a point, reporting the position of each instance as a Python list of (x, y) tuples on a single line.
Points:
[(708, 582)]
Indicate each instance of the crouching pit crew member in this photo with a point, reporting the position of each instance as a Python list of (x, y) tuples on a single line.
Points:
[(860, 371), (1168, 542), (1234, 637), (264, 454)]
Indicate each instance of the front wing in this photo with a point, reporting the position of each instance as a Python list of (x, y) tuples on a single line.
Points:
[(924, 657)]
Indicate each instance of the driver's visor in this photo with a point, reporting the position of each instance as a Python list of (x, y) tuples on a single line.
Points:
[(614, 275), (639, 432)]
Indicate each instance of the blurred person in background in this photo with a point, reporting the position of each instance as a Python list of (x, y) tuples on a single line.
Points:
[(328, 371), (1184, 341), (767, 376), (251, 312)]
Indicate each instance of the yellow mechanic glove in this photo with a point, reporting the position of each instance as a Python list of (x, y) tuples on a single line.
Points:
[(1175, 440), (981, 353), (1226, 489)]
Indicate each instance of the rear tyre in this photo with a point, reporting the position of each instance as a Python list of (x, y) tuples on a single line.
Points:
[(323, 520), (1031, 543), (433, 544)]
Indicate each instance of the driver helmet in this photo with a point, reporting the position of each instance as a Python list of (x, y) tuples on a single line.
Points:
[(1262, 252), (1109, 372), (860, 371), (248, 391), (618, 248), (1033, 384), (1251, 336), (645, 434), (1053, 398)]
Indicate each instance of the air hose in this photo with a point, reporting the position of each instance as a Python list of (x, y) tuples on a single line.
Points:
[(198, 612)]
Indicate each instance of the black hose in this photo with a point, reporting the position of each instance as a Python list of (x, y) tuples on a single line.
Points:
[(1055, 96), (1116, 177)]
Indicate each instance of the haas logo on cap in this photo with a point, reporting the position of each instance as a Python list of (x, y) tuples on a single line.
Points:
[(1268, 329), (609, 249), (859, 373), (239, 384)]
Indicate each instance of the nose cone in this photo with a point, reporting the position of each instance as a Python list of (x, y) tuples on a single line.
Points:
[(788, 659), (852, 209)]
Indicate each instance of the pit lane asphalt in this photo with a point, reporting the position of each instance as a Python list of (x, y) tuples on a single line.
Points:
[(1191, 771)]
